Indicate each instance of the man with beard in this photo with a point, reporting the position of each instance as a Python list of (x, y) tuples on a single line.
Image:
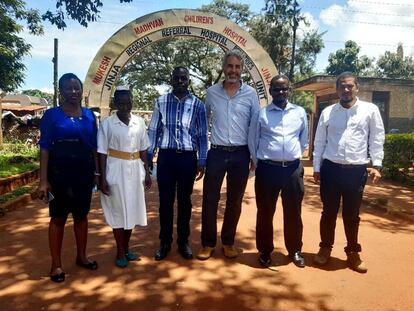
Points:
[(349, 135), (230, 106)]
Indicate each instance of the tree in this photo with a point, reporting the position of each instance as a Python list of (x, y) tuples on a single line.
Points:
[(13, 48), (83, 12), (152, 67), (395, 65), (276, 31), (347, 59), (40, 94)]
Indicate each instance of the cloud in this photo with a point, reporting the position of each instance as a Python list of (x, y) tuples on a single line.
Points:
[(333, 15), (377, 26)]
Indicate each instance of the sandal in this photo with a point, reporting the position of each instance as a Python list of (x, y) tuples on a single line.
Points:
[(130, 256), (91, 265), (121, 263)]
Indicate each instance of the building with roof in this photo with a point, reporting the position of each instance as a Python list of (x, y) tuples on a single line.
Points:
[(394, 98)]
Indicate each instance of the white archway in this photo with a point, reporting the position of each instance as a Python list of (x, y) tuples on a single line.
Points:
[(146, 30)]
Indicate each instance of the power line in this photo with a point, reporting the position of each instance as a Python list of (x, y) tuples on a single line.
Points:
[(370, 43), (369, 23), (356, 11), (382, 3)]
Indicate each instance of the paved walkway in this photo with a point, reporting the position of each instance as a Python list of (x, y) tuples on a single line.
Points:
[(219, 283)]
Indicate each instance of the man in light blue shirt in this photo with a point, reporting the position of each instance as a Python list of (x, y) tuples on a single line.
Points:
[(230, 106), (278, 137)]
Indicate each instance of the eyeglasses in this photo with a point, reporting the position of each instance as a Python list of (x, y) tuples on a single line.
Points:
[(179, 78), (279, 89)]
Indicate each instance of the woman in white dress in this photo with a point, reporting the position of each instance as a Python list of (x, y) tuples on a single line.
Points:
[(122, 145)]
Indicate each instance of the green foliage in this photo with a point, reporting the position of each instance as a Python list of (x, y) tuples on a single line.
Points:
[(16, 193), (151, 69), (14, 49), (16, 158), (83, 12), (38, 93), (304, 99), (399, 157), (276, 32), (347, 59), (395, 65), (236, 12)]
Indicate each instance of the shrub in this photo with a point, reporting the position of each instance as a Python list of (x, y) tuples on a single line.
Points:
[(399, 157)]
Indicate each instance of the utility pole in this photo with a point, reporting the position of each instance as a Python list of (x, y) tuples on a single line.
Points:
[(55, 72), (2, 94), (294, 27)]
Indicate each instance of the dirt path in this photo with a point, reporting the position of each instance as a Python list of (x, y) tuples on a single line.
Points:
[(219, 283)]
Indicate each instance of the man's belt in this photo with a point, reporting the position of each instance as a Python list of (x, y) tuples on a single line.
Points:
[(230, 148), (177, 150), (329, 162), (123, 155), (280, 163)]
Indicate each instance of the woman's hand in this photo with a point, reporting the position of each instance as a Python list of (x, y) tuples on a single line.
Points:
[(147, 181), (103, 186), (42, 190)]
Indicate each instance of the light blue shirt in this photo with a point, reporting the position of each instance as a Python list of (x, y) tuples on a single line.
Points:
[(231, 115), (278, 134)]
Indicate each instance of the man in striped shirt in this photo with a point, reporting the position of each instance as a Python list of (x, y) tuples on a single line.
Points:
[(178, 128)]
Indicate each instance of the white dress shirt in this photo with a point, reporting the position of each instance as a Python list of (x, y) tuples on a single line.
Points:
[(349, 136)]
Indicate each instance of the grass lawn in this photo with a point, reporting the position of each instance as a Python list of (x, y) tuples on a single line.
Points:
[(15, 193), (17, 158)]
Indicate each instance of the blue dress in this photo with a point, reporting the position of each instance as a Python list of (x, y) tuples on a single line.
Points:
[(70, 142)]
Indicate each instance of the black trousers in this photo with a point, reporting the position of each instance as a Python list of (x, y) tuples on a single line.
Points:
[(236, 165), (346, 182), (270, 181), (176, 172)]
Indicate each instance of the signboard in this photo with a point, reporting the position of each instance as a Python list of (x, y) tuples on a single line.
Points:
[(144, 31)]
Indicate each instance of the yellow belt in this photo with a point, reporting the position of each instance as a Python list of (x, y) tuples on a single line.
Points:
[(123, 155)]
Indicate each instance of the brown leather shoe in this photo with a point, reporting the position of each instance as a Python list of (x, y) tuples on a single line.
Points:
[(230, 251), (205, 253), (322, 257), (355, 262)]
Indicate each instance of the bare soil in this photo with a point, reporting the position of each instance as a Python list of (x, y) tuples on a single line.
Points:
[(216, 284)]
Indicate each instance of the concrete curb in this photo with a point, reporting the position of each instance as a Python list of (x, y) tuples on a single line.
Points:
[(11, 183), (17, 202)]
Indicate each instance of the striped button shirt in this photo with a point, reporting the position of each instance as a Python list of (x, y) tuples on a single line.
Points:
[(179, 124)]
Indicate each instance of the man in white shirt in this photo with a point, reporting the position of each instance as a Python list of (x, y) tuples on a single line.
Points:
[(349, 134)]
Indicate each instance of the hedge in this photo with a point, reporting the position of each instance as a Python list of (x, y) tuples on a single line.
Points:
[(399, 157)]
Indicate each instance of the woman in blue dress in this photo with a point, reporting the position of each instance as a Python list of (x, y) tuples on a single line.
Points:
[(68, 170)]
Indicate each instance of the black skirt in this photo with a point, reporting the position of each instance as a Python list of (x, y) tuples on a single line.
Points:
[(71, 169)]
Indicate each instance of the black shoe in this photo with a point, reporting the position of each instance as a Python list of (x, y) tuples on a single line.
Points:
[(265, 260), (162, 252), (185, 251), (91, 265), (298, 259), (58, 278)]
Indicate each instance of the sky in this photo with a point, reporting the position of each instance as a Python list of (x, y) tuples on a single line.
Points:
[(375, 25)]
